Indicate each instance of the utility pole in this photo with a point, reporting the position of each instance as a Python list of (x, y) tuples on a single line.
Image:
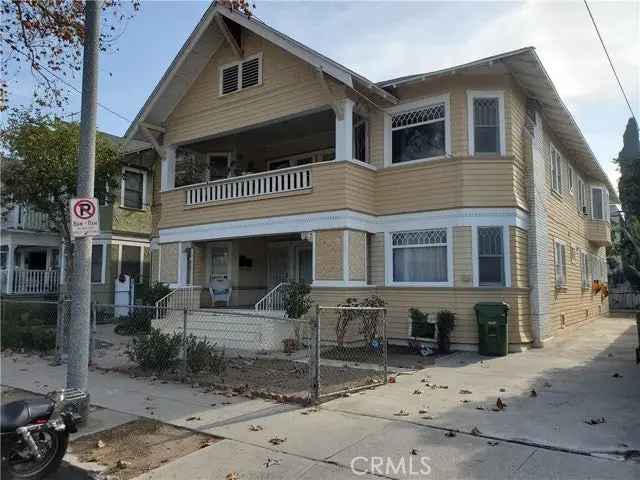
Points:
[(78, 365)]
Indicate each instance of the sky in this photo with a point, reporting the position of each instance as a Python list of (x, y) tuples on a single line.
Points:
[(384, 39)]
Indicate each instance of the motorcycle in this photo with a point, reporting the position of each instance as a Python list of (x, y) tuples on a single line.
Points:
[(34, 433)]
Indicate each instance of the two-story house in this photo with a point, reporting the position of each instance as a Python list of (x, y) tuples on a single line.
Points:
[(437, 190), (32, 260)]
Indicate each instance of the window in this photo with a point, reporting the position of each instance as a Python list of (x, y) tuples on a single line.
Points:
[(240, 75), (130, 261), (191, 168), (486, 123), (597, 203), (97, 263), (556, 170), (581, 197), (133, 188), (570, 175), (419, 134), (4, 255), (219, 166), (490, 256), (561, 264), (420, 256), (584, 269)]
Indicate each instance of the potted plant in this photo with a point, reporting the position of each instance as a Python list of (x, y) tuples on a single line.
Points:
[(446, 324)]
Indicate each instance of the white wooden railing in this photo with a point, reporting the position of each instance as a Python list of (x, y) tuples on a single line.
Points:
[(35, 282), (26, 218), (274, 300), (182, 297), (248, 186)]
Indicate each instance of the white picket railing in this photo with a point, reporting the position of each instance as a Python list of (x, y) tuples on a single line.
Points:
[(26, 218), (274, 300), (35, 282), (182, 297), (248, 186)]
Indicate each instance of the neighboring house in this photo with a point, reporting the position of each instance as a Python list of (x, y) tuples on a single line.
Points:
[(436, 191), (32, 255)]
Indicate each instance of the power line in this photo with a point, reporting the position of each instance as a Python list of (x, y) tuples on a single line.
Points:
[(593, 20)]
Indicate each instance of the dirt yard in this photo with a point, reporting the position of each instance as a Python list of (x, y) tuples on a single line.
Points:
[(137, 447)]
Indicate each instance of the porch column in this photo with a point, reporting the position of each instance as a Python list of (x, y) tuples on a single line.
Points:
[(168, 168), (11, 265), (344, 129)]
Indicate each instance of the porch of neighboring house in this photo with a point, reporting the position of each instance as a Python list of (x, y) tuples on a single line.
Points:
[(29, 270)]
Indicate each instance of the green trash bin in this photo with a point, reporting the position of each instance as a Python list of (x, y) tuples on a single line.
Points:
[(493, 329)]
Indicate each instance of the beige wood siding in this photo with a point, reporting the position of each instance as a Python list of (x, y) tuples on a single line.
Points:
[(462, 257), (376, 259), (459, 300), (519, 258), (328, 254), (573, 305), (331, 191), (357, 255), (289, 86)]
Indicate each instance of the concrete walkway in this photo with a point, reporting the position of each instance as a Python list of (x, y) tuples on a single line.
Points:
[(387, 432)]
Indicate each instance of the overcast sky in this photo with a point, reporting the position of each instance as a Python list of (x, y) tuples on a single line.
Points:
[(382, 40)]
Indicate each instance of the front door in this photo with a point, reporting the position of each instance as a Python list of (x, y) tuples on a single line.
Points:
[(278, 264), (219, 267)]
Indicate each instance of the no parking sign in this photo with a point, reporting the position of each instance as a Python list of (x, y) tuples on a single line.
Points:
[(84, 217)]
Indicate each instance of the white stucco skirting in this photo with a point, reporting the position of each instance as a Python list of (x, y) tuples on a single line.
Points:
[(347, 219)]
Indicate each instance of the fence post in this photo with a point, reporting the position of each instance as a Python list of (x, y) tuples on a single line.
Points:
[(314, 361), (184, 344), (59, 332), (384, 345), (92, 342)]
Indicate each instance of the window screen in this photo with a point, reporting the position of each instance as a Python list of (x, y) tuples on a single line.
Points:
[(486, 123), (490, 256), (133, 189), (596, 203)]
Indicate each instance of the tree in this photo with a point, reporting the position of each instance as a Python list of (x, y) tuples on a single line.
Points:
[(46, 37), (39, 168)]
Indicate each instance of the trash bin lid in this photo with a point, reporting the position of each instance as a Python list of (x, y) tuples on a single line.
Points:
[(491, 306)]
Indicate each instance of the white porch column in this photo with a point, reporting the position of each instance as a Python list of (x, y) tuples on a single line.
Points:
[(11, 265), (344, 129), (168, 168)]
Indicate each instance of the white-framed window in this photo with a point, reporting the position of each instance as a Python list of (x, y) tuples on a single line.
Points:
[(133, 190), (491, 256), (237, 76), (420, 257), (485, 110), (556, 169), (98, 262), (585, 271), (581, 196), (597, 203), (560, 255), (570, 178), (418, 131)]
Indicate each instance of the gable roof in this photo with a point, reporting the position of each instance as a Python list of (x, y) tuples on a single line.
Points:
[(527, 70), (205, 40)]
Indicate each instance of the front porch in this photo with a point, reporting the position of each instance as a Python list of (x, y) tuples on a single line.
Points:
[(29, 270)]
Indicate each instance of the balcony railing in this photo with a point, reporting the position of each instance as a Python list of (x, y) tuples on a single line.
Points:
[(248, 186), (26, 218), (35, 282)]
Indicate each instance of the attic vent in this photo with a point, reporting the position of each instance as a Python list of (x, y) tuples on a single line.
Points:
[(241, 75)]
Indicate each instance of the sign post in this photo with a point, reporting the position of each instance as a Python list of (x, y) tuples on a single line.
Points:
[(84, 217)]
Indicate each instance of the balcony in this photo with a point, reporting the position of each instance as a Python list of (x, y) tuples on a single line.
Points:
[(286, 180), (598, 232), (23, 217)]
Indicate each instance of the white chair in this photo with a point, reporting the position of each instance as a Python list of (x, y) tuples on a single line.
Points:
[(220, 290)]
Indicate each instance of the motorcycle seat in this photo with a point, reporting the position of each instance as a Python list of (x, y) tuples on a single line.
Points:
[(22, 412)]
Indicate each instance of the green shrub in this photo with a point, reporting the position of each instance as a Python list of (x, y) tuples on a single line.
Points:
[(150, 294), (420, 325), (137, 322), (204, 357), (297, 301), (38, 338), (156, 350), (446, 324), (34, 313)]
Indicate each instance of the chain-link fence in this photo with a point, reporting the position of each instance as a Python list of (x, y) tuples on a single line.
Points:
[(350, 349), (335, 350)]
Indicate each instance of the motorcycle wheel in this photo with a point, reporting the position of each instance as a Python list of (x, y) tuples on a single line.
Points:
[(53, 446)]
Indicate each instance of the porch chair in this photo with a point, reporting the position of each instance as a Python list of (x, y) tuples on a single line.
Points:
[(220, 290)]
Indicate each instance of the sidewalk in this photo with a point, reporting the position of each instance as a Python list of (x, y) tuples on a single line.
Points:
[(369, 431)]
